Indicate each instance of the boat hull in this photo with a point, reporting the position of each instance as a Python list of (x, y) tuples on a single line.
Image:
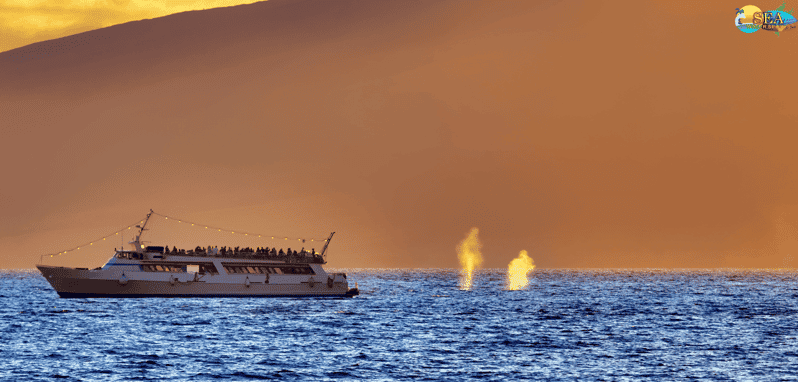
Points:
[(80, 283)]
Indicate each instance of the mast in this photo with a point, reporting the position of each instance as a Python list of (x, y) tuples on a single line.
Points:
[(145, 223), (137, 242), (326, 244)]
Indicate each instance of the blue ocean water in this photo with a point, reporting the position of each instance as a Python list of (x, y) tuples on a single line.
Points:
[(417, 325)]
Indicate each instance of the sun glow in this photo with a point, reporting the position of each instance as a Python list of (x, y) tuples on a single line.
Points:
[(29, 21), (518, 271), (468, 251)]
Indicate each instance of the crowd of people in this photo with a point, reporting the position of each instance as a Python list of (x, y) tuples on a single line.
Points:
[(247, 253)]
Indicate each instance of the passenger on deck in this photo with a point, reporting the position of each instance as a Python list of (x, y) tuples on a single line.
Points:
[(281, 252)]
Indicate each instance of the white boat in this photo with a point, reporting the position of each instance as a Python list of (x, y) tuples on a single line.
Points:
[(154, 271)]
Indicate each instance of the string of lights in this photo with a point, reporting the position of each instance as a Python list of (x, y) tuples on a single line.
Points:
[(218, 229), (91, 243), (193, 224)]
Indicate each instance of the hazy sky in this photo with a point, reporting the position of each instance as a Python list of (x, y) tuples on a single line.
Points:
[(591, 134)]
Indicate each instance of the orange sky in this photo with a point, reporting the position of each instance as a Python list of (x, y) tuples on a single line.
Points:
[(591, 134)]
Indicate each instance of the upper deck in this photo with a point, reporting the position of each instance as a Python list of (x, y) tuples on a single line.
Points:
[(249, 254)]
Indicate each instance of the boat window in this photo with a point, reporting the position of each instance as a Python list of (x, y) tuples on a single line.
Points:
[(178, 268), (279, 270)]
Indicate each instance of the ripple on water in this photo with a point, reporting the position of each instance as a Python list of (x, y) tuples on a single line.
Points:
[(417, 325)]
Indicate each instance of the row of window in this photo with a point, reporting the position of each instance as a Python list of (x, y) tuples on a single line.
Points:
[(163, 268), (129, 255), (201, 268), (231, 269), (282, 270)]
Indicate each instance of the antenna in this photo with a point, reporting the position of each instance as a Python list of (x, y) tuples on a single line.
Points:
[(326, 244), (137, 242), (141, 227)]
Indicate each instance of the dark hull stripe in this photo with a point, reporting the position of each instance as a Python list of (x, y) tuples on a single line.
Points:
[(104, 295)]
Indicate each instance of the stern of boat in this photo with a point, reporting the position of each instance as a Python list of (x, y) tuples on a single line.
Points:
[(339, 280)]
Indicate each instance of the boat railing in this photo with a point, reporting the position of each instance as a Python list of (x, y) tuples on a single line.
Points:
[(298, 258)]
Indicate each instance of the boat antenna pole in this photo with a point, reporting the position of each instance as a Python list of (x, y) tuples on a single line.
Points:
[(141, 231), (326, 244), (137, 242)]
